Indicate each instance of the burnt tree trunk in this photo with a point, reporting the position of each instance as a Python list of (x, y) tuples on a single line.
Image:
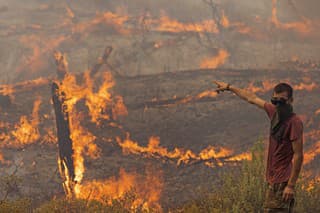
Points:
[(102, 61), (64, 135)]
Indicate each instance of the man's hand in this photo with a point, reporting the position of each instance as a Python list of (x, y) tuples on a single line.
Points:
[(244, 94), (222, 86), (288, 194)]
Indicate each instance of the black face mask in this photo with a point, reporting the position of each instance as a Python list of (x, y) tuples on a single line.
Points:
[(283, 113)]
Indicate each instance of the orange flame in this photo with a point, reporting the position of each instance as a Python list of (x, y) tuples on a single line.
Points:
[(311, 153), (168, 24), (147, 190), (10, 89), (82, 140), (6, 90), (27, 132), (216, 61), (304, 27), (97, 102), (182, 156), (40, 47), (268, 85), (241, 157), (225, 21), (108, 18), (307, 87)]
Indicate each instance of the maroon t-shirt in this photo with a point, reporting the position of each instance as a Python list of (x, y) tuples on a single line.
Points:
[(280, 154)]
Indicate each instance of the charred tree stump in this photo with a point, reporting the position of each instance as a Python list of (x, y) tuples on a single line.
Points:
[(101, 61), (62, 64), (64, 138)]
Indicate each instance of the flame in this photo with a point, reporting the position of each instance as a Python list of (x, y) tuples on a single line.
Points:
[(312, 183), (224, 20), (83, 141), (241, 157), (147, 189), (67, 183), (10, 89), (207, 93), (307, 87), (304, 27), (168, 24), (27, 132), (40, 46), (154, 149), (119, 108), (97, 102), (1, 158), (110, 19), (311, 153), (70, 13), (215, 61), (237, 26), (268, 85), (6, 90)]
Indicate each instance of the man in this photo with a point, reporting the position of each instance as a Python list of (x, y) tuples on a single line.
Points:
[(285, 153)]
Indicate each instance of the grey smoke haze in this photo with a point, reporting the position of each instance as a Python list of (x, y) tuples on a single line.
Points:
[(21, 18)]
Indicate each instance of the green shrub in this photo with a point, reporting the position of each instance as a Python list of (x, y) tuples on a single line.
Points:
[(243, 190)]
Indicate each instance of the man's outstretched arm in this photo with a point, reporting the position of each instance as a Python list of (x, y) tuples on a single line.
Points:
[(242, 93)]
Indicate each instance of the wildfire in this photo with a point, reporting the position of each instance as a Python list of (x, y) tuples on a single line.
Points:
[(224, 20), (39, 46), (268, 85), (102, 105), (6, 90), (215, 61), (99, 103), (116, 21), (307, 87), (311, 153), (204, 94), (147, 190), (241, 157), (168, 24), (153, 149), (27, 132), (304, 27), (10, 89)]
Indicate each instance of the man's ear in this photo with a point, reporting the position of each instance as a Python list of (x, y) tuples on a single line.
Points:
[(291, 100)]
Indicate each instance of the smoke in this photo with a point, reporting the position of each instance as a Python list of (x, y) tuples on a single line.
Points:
[(31, 32)]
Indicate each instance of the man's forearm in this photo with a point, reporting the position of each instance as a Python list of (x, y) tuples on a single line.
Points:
[(244, 94), (296, 168)]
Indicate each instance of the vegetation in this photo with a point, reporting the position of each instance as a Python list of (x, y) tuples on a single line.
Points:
[(242, 190)]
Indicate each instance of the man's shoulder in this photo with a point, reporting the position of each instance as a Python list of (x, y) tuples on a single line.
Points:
[(296, 119)]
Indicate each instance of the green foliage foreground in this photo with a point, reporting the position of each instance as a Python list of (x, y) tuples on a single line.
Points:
[(242, 190)]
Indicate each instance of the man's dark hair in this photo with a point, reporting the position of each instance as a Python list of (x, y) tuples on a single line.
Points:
[(284, 87)]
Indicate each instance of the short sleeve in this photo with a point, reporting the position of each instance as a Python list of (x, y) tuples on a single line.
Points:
[(296, 130), (270, 109)]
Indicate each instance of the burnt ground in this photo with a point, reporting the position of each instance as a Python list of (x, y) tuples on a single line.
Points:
[(226, 121), (29, 35)]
